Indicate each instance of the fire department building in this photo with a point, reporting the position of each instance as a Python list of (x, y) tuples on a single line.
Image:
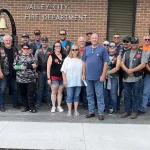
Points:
[(106, 17)]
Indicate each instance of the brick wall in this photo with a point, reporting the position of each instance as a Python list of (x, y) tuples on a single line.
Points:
[(142, 18), (96, 11)]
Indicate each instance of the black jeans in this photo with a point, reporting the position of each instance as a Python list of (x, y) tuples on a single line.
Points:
[(27, 91)]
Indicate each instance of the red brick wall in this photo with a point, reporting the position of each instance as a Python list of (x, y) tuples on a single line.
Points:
[(142, 18), (96, 11)]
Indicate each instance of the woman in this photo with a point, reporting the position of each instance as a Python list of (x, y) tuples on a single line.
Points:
[(111, 90), (25, 65), (72, 73), (54, 76)]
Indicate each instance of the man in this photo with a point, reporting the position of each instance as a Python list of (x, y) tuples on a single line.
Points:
[(116, 39), (146, 80), (88, 36), (132, 63), (7, 74), (66, 44), (95, 62), (37, 42), (42, 55), (25, 40), (83, 97), (125, 47), (106, 45)]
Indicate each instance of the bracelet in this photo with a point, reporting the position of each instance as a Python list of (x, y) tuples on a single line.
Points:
[(48, 78)]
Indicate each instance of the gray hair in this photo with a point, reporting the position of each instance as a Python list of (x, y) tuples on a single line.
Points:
[(7, 36)]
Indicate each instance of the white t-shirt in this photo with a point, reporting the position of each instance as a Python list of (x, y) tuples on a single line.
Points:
[(72, 67)]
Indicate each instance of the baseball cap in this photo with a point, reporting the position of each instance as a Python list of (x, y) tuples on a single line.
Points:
[(106, 42), (44, 39), (37, 32), (135, 39), (89, 32), (126, 38), (25, 35)]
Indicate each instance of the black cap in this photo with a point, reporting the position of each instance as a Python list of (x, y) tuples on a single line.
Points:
[(44, 39), (135, 39), (89, 32), (127, 38), (25, 35), (25, 44), (37, 32)]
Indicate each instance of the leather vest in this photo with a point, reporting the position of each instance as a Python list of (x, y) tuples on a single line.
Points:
[(42, 60), (4, 61), (135, 62)]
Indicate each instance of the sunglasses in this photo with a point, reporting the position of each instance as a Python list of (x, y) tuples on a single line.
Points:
[(112, 46), (124, 41), (147, 39), (62, 34), (25, 48), (74, 50), (134, 42), (106, 44), (117, 37)]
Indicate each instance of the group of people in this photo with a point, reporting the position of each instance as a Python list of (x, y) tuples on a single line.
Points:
[(96, 74)]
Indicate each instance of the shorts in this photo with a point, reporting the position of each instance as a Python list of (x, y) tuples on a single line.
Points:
[(57, 82)]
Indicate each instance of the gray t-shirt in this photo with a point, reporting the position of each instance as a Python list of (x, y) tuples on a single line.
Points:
[(144, 59)]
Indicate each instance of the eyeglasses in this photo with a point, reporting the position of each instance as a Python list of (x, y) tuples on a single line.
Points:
[(57, 46), (74, 50), (124, 41), (106, 44), (134, 42), (62, 34), (25, 48), (112, 46), (116, 37), (147, 39)]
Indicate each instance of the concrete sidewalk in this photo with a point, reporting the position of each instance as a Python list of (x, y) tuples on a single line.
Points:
[(74, 136)]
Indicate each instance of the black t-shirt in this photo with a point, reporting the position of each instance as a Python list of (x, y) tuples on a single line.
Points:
[(56, 65), (10, 55)]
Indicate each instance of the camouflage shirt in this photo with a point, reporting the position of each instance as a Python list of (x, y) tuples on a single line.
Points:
[(28, 75)]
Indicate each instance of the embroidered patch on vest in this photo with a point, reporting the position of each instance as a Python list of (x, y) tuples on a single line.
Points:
[(56, 60), (138, 56), (2, 51), (48, 53)]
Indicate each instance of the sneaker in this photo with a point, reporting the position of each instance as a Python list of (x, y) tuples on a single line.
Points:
[(76, 113), (69, 114), (53, 109), (33, 110), (59, 109), (111, 111)]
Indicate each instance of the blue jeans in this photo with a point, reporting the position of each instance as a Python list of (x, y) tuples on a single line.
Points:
[(99, 89), (9, 80), (146, 94), (73, 94), (43, 89), (111, 95), (129, 88)]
